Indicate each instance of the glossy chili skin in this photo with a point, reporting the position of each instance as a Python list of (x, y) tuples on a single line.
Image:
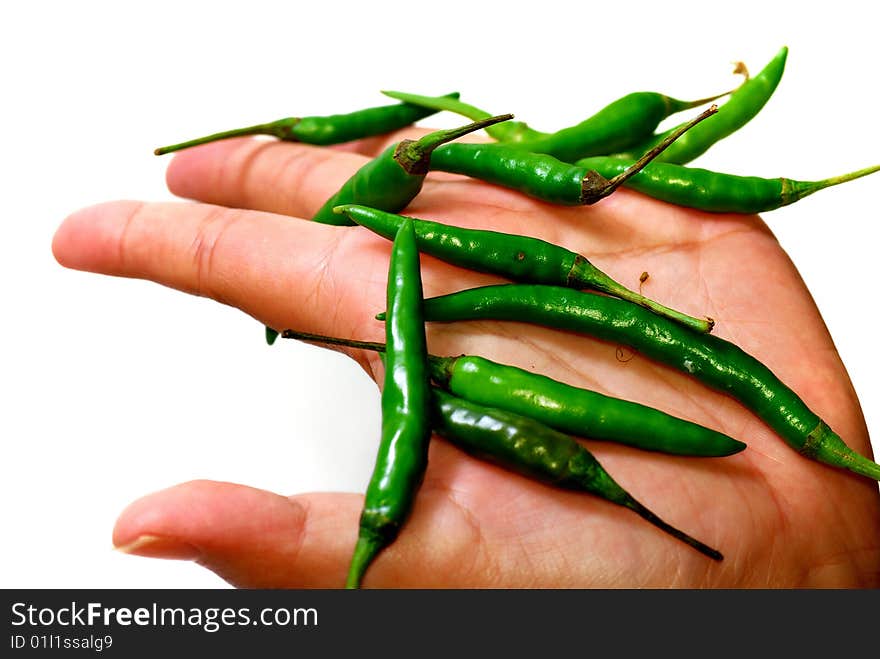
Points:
[(519, 258), (533, 450), (566, 408), (713, 361), (326, 130), (406, 427), (740, 108), (710, 191), (393, 179)]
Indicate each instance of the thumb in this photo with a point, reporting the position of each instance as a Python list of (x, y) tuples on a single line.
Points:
[(252, 538)]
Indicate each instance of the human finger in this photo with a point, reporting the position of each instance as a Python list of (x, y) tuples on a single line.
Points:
[(253, 538), (277, 177), (314, 277), (473, 525), (249, 537)]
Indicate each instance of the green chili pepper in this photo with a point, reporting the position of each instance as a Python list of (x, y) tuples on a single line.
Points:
[(618, 126), (534, 450), (714, 361), (332, 129), (568, 409), (714, 191), (406, 427), (392, 179), (742, 106), (539, 175), (520, 258)]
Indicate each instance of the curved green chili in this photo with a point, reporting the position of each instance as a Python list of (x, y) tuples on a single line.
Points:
[(714, 361), (539, 175), (569, 409), (622, 124), (406, 426), (714, 191), (324, 130), (532, 449), (519, 258), (742, 106)]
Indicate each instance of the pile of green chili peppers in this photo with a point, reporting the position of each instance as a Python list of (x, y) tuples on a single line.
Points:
[(524, 421)]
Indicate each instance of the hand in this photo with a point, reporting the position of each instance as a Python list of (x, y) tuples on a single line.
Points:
[(779, 519)]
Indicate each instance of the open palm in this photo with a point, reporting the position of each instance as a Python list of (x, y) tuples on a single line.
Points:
[(779, 519)]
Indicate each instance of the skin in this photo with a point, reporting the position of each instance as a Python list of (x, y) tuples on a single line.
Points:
[(781, 521)]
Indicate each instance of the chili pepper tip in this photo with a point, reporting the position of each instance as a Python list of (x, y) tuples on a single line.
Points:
[(365, 551)]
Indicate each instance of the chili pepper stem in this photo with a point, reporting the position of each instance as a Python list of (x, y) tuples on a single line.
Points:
[(584, 472), (794, 190), (441, 103), (280, 129), (365, 551), (506, 132), (596, 186), (675, 105), (647, 515), (332, 340), (740, 68), (824, 445), (437, 364), (587, 275), (415, 155)]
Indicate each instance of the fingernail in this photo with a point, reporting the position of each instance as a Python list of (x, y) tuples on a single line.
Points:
[(155, 546)]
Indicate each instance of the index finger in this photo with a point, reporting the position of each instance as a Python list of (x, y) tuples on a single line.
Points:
[(279, 177)]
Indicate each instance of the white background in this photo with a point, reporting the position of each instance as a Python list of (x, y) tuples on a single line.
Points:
[(115, 388)]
